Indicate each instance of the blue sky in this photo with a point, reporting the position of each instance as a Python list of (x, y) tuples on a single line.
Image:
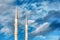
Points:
[(43, 19)]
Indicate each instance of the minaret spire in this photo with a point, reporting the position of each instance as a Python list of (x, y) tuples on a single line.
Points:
[(26, 29), (16, 25)]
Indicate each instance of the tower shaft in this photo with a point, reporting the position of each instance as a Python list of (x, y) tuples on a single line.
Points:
[(16, 25), (26, 29)]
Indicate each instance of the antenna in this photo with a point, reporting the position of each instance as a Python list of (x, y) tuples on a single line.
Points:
[(16, 25), (26, 29)]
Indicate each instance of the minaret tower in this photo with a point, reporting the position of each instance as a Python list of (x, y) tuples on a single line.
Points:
[(16, 25), (26, 29)]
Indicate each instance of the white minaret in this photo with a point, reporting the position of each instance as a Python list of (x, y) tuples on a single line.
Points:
[(26, 29), (16, 25)]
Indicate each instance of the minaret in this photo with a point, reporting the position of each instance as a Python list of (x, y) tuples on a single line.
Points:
[(16, 25), (26, 29)]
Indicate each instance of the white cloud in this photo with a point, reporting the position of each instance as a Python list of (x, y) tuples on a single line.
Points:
[(32, 14), (31, 21), (7, 31), (34, 5), (50, 6), (7, 1), (41, 36), (52, 37), (6, 14)]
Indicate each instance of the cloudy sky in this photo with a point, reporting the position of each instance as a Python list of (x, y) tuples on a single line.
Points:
[(43, 19)]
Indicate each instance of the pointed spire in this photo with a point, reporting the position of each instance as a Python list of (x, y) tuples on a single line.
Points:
[(26, 29), (16, 25), (16, 14)]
